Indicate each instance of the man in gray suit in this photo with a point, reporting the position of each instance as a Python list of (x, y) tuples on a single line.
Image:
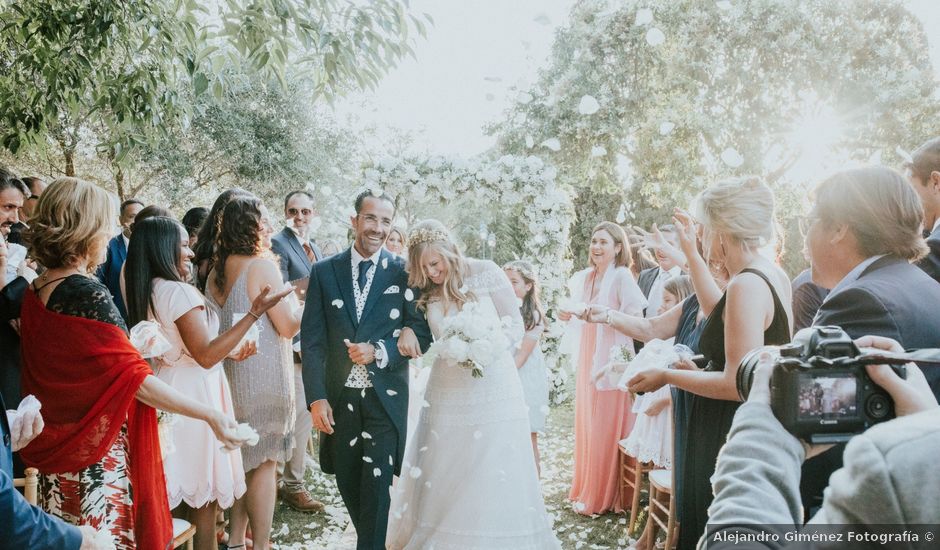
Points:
[(297, 253), (888, 480)]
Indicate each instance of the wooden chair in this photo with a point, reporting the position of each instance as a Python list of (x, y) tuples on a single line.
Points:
[(662, 508), (183, 533), (632, 474), (30, 485)]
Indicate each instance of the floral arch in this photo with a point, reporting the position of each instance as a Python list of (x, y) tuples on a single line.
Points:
[(524, 184)]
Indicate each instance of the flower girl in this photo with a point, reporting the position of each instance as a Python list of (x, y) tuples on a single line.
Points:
[(651, 438), (528, 357)]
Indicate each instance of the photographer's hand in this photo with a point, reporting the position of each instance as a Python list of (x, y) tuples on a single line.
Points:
[(912, 394)]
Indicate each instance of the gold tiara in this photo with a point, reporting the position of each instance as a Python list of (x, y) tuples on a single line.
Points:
[(425, 235)]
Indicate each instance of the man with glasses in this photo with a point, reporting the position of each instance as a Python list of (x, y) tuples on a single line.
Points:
[(297, 253), (36, 186)]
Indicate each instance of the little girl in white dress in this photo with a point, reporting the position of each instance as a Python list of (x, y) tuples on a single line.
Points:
[(529, 358), (651, 438)]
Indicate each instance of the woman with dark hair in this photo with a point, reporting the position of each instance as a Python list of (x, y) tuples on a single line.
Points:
[(193, 220), (602, 418), (204, 248), (199, 475), (262, 385)]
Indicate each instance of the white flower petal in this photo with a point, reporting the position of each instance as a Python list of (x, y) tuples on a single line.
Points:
[(352, 443), (377, 192), (349, 406), (588, 105), (338, 304), (377, 472), (552, 143), (732, 157), (396, 333), (367, 459), (644, 16), (394, 314), (409, 294), (655, 37), (384, 263), (415, 473), (391, 392), (366, 435)]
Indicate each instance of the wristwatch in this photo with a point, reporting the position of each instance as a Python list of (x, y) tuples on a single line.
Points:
[(379, 353)]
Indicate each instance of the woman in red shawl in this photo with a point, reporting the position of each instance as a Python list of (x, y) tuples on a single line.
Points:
[(99, 454)]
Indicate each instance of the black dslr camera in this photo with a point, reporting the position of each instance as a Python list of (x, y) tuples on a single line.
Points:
[(819, 389)]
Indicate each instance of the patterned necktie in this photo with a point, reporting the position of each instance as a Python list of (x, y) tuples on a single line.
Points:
[(364, 267), (309, 250)]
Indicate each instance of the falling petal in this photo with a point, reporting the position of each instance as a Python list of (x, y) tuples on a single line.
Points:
[(390, 462), (377, 192), (338, 304), (363, 393), (350, 407), (394, 314), (352, 443), (644, 16), (415, 473), (409, 294), (396, 333), (552, 143), (367, 459), (588, 105), (655, 37), (366, 435), (422, 449), (905, 156), (732, 157), (377, 472), (622, 214), (391, 392), (666, 127), (384, 263)]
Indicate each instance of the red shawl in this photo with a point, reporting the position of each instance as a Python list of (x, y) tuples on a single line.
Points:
[(86, 374)]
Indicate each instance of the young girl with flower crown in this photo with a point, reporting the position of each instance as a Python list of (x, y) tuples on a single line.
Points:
[(528, 357)]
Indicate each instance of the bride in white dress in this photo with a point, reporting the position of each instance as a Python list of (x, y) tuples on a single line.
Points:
[(468, 479)]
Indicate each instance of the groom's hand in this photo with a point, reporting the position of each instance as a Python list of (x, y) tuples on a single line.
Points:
[(322, 415), (360, 354)]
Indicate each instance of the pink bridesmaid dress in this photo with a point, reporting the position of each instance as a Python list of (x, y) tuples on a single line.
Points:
[(602, 418)]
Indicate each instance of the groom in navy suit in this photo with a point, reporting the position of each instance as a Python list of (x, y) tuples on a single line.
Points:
[(355, 379)]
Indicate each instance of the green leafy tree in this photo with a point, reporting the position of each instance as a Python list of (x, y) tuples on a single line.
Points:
[(125, 73), (653, 100)]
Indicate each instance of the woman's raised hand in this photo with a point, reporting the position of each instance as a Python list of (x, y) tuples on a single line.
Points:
[(265, 300), (686, 232)]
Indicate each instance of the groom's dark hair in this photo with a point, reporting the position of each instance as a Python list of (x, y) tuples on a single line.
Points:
[(368, 193)]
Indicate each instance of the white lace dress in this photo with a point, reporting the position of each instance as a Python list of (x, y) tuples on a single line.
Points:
[(468, 478)]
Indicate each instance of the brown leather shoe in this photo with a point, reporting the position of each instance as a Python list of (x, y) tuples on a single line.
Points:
[(300, 500)]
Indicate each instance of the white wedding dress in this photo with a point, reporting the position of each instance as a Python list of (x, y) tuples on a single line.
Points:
[(468, 479)]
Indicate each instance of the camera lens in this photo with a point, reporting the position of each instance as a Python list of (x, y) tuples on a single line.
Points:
[(877, 406)]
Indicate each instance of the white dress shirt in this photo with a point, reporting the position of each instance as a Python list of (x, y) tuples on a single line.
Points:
[(359, 375)]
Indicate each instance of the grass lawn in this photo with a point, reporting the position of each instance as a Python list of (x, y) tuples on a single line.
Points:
[(293, 530)]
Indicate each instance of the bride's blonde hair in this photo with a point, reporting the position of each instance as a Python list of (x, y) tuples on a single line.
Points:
[(431, 236)]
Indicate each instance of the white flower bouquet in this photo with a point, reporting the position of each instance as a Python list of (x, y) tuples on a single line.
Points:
[(165, 423), (606, 377), (472, 339)]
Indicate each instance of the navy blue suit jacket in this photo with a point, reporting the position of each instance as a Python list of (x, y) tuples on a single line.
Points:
[(330, 317), (11, 299), (931, 262), (891, 298), (291, 256), (109, 273), (21, 524)]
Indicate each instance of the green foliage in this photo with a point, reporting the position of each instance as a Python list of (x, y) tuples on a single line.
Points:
[(742, 78), (129, 72)]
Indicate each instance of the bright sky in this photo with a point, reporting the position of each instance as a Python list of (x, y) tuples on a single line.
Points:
[(475, 51)]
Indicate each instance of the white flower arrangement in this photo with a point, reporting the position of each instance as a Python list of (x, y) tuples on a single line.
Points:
[(471, 340)]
